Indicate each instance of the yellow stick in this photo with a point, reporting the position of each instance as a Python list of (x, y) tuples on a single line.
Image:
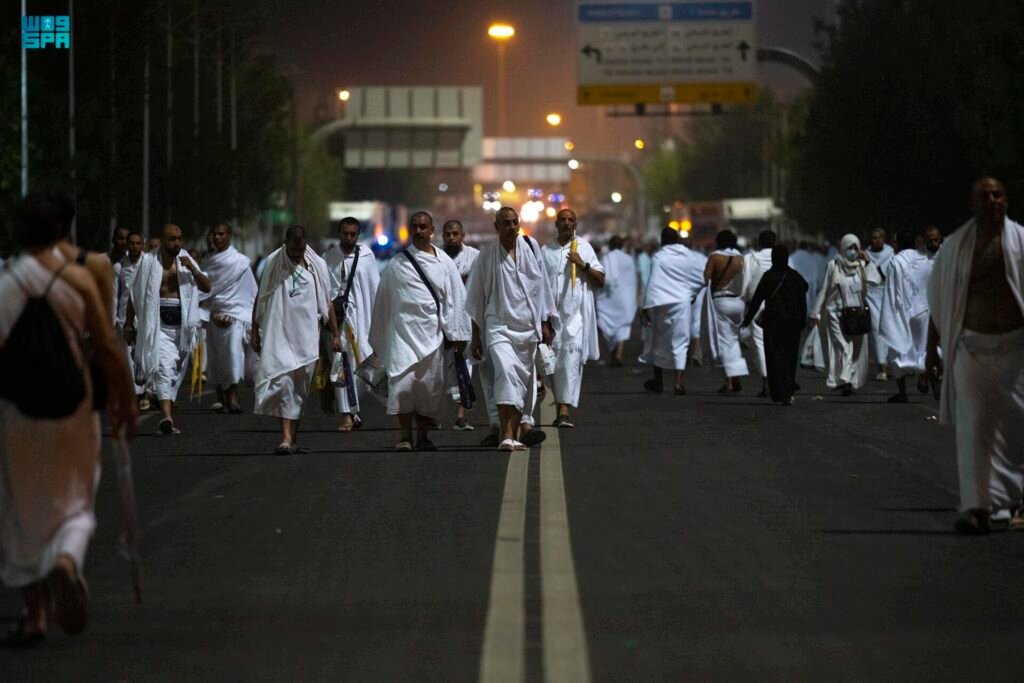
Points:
[(572, 269)]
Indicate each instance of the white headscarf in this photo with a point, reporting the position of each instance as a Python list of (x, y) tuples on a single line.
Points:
[(848, 266)]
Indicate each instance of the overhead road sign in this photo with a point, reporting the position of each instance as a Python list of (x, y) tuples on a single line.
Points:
[(650, 53)]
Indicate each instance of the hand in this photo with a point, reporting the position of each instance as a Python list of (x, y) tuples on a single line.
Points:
[(187, 262), (122, 414), (476, 349), (811, 322), (336, 343), (574, 257), (547, 333), (254, 339)]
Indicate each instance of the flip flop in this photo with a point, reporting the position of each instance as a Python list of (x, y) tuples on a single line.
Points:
[(301, 450), (404, 446), (235, 410), (426, 445), (532, 438), (167, 427), (71, 598), (357, 422), (283, 449), (512, 445)]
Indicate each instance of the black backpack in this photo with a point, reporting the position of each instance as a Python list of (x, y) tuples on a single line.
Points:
[(39, 372)]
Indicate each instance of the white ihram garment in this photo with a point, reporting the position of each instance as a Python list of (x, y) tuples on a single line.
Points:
[(677, 277), (508, 300), (232, 295), (162, 351), (291, 303), (616, 302), (49, 469), (721, 317), (358, 315), (408, 331), (576, 341), (122, 294), (903, 319), (846, 358), (881, 260), (755, 265), (983, 386)]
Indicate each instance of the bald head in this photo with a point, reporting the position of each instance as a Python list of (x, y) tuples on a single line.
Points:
[(170, 240), (565, 223), (989, 202), (453, 235)]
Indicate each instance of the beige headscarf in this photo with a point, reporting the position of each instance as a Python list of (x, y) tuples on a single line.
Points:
[(849, 267)]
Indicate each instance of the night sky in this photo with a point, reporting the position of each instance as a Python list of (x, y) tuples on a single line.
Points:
[(326, 44)]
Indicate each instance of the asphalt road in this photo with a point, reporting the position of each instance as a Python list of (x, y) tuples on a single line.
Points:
[(702, 537)]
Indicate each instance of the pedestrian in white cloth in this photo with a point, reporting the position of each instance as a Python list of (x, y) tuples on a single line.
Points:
[(464, 256), (291, 305), (976, 299), (353, 269), (510, 302), (420, 310), (129, 264), (846, 357), (903, 320), (723, 311), (574, 273), (880, 253), (50, 468), (163, 314), (230, 302), (756, 264), (617, 301), (677, 277)]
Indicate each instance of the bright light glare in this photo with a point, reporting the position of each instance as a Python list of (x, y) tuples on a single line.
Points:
[(343, 95), (573, 164), (500, 31), (550, 212), (616, 197), (569, 146), (530, 213), (508, 186), (639, 143), (443, 187), (382, 240), (554, 119)]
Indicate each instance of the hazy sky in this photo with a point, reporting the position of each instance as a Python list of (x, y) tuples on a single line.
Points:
[(328, 44)]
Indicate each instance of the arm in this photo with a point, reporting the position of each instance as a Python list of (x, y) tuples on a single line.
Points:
[(254, 335), (332, 325), (202, 282), (754, 305), (476, 346), (596, 277)]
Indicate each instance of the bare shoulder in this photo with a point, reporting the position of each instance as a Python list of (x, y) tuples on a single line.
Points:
[(81, 279)]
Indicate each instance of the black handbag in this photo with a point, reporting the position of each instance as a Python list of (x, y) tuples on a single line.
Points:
[(855, 321)]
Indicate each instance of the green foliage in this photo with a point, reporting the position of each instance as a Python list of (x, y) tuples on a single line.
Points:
[(916, 99), (321, 180)]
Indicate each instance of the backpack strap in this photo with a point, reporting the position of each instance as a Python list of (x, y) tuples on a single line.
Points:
[(430, 287)]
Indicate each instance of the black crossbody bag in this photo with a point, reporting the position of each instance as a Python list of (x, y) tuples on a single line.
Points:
[(855, 321)]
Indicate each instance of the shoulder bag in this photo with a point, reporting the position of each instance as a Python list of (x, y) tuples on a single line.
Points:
[(855, 321)]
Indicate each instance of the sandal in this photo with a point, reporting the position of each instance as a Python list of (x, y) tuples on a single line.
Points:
[(679, 391), (235, 410), (404, 446), (167, 427), (426, 445), (70, 597), (512, 445), (532, 438), (283, 449), (973, 523), (301, 450)]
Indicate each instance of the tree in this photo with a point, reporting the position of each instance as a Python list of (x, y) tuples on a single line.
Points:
[(915, 100)]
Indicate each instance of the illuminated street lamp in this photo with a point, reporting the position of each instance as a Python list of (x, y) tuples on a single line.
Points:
[(344, 95), (639, 143), (501, 34), (554, 119), (616, 197), (569, 146), (573, 164)]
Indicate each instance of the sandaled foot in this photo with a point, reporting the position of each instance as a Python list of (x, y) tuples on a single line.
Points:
[(898, 398), (563, 422), (846, 390), (284, 449), (973, 523), (737, 386), (533, 437), (489, 441), (462, 425), (425, 444), (301, 450), (70, 596), (22, 638), (167, 427), (235, 410), (654, 385), (1016, 522), (403, 446), (679, 391), (346, 424)]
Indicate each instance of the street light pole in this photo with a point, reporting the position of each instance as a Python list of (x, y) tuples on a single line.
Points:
[(501, 33)]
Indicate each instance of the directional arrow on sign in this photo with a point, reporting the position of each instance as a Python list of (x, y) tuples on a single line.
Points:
[(743, 47), (591, 51)]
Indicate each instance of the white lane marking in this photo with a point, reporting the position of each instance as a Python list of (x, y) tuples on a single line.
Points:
[(504, 651), (564, 638)]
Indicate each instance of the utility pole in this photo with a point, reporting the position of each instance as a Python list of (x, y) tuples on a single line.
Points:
[(24, 111)]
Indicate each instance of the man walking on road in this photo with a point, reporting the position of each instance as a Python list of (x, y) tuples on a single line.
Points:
[(163, 319), (976, 298), (129, 264), (677, 276), (354, 279), (291, 304), (464, 257), (510, 303), (230, 301), (573, 272), (880, 254), (755, 265), (420, 310), (616, 301), (903, 318)]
